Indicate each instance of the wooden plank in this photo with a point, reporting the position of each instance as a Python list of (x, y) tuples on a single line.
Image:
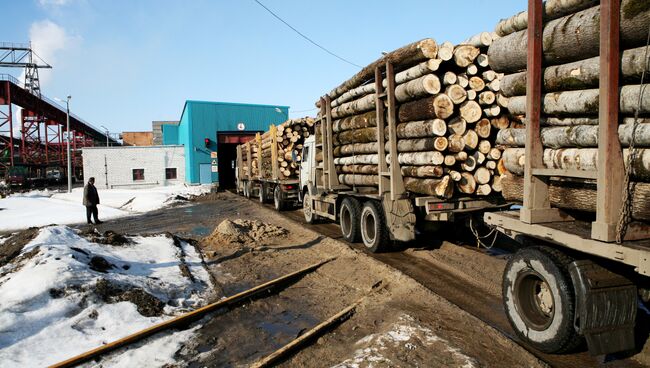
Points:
[(380, 110), (184, 318), (610, 155), (317, 330), (536, 206), (565, 173)]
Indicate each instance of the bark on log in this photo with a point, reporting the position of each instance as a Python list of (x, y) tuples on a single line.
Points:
[(479, 40), (577, 158), (456, 93), (419, 158), (369, 159), (355, 107), (354, 93), (421, 129), (425, 67), (585, 102), (457, 125), (421, 144), (366, 120), (439, 106), (426, 85), (467, 183), (470, 111), (409, 54), (359, 180), (465, 55), (572, 37), (355, 149), (583, 74), (552, 9), (358, 169), (576, 136), (576, 195), (436, 187), (423, 171), (363, 135), (555, 121)]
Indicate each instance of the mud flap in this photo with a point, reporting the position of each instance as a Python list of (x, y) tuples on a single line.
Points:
[(605, 309), (400, 218)]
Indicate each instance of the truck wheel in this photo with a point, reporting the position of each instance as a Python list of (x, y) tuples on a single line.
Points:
[(278, 201), (373, 227), (310, 216), (349, 219), (539, 299), (262, 195)]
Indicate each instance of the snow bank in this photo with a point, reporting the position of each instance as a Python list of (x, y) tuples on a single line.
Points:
[(43, 207), (50, 309)]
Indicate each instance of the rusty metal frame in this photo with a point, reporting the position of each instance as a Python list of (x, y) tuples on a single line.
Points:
[(6, 127)]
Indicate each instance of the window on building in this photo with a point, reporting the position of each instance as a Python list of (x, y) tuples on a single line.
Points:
[(170, 173), (138, 174)]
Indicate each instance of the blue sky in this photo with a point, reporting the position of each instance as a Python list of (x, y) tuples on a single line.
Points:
[(128, 62)]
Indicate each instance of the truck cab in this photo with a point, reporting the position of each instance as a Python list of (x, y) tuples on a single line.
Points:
[(307, 165)]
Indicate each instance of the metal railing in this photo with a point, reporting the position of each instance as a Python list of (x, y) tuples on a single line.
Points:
[(10, 78), (14, 45)]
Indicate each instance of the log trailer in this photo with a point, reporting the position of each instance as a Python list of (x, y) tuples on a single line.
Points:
[(266, 184)]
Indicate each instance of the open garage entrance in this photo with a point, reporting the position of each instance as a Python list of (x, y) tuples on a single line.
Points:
[(227, 155)]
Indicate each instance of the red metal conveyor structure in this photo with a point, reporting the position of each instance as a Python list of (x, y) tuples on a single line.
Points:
[(42, 126)]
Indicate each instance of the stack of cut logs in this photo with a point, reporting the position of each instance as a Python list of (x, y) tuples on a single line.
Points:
[(290, 136), (448, 107), (569, 130)]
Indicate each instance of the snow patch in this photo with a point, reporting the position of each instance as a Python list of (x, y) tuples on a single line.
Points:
[(50, 310), (404, 334), (44, 207)]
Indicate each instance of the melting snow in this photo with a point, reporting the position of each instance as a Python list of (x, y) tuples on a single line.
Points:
[(49, 310)]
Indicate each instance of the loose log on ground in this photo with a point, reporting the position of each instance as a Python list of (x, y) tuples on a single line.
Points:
[(572, 37), (577, 195), (585, 159), (426, 85), (422, 128), (585, 102), (439, 106), (436, 187), (465, 55), (409, 54), (552, 9), (456, 93), (583, 74)]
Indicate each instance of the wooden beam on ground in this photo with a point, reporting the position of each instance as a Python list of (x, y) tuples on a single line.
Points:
[(184, 318)]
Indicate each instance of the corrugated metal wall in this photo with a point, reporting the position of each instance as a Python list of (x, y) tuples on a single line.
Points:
[(202, 120)]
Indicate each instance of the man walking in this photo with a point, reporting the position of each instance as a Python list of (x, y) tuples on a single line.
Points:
[(91, 200)]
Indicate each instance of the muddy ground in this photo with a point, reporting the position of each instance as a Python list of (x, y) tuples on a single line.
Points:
[(404, 323)]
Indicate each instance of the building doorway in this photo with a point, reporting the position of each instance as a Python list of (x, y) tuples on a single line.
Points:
[(227, 143)]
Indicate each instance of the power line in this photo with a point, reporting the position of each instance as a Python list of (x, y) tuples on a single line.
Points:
[(305, 37)]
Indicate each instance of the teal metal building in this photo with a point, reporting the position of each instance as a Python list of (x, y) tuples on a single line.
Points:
[(210, 133)]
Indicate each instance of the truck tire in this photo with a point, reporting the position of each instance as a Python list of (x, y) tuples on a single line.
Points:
[(278, 199), (262, 194), (374, 232), (539, 299), (308, 212), (349, 219)]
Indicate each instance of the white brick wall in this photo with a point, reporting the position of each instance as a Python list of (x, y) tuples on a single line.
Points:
[(120, 162)]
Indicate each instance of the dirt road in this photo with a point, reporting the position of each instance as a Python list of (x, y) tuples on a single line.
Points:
[(467, 279)]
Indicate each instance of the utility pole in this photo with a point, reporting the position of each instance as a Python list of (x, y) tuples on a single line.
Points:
[(106, 129), (67, 124)]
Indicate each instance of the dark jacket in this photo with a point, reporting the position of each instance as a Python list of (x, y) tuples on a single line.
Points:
[(91, 198)]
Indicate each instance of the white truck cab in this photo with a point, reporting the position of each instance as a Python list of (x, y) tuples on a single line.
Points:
[(307, 164)]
